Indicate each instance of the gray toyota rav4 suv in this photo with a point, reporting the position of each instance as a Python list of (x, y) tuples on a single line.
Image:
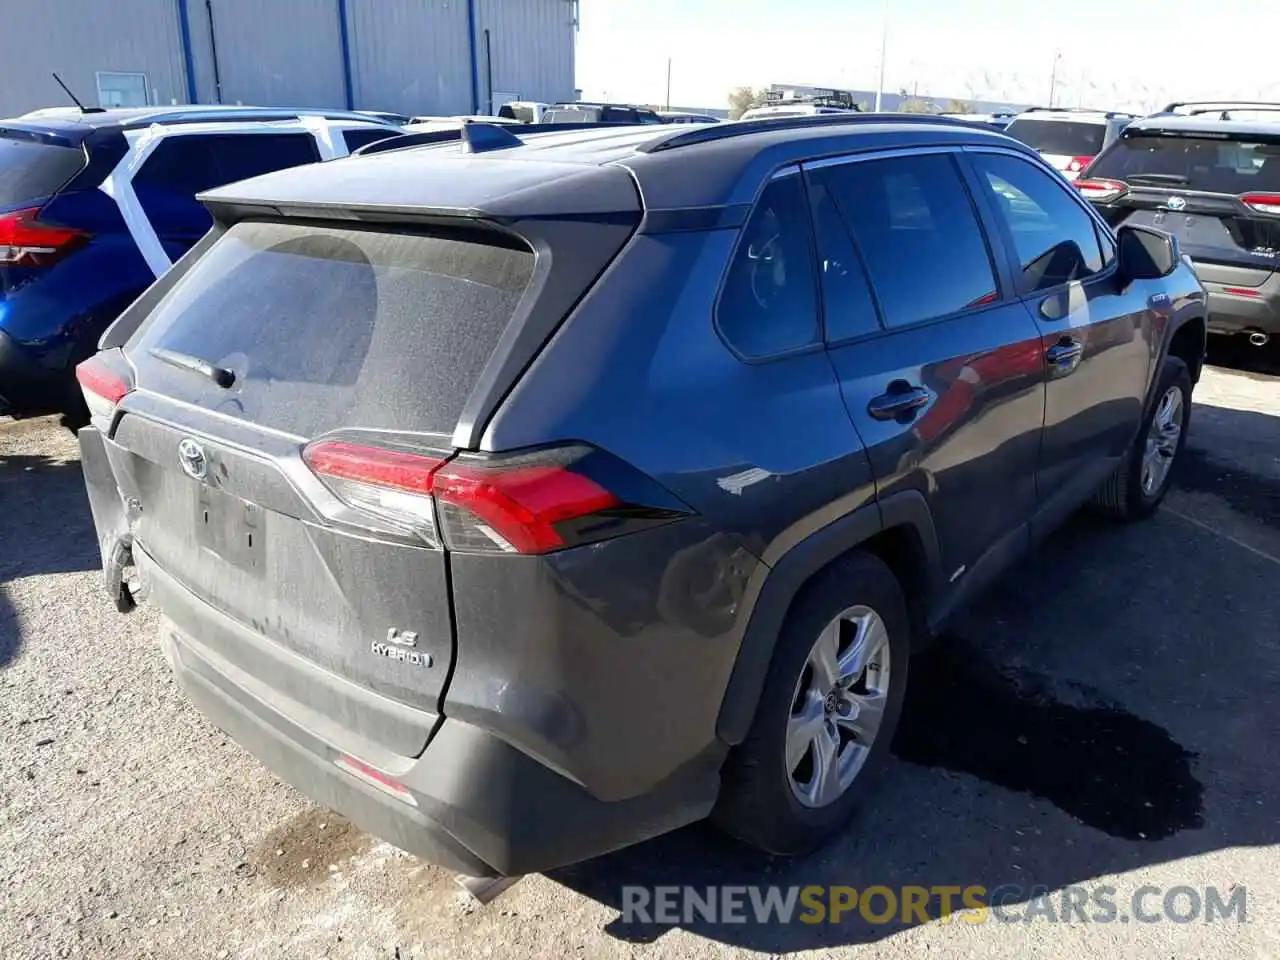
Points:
[(1208, 173), (526, 498)]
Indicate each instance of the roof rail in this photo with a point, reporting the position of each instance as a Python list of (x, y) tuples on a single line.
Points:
[(571, 104), (1219, 104), (1225, 112), (742, 128), (245, 115), (1109, 114)]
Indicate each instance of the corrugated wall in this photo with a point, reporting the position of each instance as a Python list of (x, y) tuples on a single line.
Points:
[(410, 56), (271, 53), (77, 38), (531, 49)]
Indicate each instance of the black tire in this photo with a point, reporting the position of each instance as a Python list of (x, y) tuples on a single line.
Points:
[(75, 412), (1121, 496), (757, 803)]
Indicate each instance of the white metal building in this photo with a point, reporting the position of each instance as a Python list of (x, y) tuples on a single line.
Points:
[(408, 56)]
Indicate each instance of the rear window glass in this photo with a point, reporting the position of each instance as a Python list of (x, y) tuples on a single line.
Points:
[(1067, 138), (1195, 163), (33, 171), (330, 327)]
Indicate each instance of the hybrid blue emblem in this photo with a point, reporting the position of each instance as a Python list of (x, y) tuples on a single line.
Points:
[(1176, 203), (191, 456)]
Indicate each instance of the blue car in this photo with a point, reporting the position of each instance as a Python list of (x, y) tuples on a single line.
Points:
[(95, 206)]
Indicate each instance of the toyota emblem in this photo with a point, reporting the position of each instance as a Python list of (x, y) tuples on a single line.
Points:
[(1176, 203), (191, 456)]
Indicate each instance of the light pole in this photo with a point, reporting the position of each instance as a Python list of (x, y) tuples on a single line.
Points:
[(668, 83), (1053, 76), (884, 43)]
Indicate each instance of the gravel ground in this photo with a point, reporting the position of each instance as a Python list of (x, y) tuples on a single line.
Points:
[(1137, 667)]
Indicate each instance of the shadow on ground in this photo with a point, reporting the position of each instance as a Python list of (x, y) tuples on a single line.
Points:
[(1236, 353), (1110, 706), (45, 527)]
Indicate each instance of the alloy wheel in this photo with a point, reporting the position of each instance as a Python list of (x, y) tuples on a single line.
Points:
[(1163, 437), (838, 706)]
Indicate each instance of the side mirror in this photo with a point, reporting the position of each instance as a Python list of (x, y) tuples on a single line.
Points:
[(1145, 254)]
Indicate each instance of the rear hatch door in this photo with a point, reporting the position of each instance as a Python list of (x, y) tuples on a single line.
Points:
[(314, 330), (1196, 187)]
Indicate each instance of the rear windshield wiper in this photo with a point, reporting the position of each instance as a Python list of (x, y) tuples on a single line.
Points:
[(1158, 177), (219, 375)]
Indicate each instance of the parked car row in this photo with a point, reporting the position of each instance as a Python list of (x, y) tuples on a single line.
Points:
[(1207, 172), (527, 498)]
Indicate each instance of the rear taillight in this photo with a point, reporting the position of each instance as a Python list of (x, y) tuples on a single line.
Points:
[(514, 510), (103, 387), (1262, 202), (531, 504), (1101, 191), (26, 242), (1078, 165), (392, 484)]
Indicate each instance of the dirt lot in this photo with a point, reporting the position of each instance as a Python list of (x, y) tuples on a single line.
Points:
[(1107, 717)]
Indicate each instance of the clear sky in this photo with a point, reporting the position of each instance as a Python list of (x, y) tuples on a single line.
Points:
[(1117, 53)]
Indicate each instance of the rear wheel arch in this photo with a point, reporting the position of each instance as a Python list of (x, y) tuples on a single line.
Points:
[(1188, 344), (899, 530)]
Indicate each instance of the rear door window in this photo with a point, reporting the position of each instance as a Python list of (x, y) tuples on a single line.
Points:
[(1069, 138), (769, 303), (32, 171), (182, 166), (167, 183), (326, 327), (915, 225), (241, 156), (847, 304), (1053, 236), (1213, 165)]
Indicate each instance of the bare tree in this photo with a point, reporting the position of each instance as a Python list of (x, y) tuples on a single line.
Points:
[(742, 99), (916, 105)]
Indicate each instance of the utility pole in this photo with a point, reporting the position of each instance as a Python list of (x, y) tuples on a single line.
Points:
[(668, 83), (884, 43), (1053, 77)]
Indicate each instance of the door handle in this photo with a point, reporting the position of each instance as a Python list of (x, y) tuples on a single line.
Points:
[(901, 398), (1066, 353)]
